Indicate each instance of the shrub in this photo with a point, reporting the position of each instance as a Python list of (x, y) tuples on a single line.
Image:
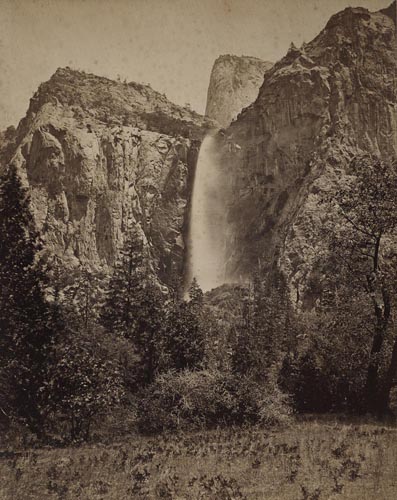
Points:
[(259, 403), (275, 406), (181, 399), (207, 398)]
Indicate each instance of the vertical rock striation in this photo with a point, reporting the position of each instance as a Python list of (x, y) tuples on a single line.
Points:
[(99, 154), (318, 107)]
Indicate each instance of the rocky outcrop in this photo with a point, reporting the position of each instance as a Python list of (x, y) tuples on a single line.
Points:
[(234, 84), (98, 155), (318, 107)]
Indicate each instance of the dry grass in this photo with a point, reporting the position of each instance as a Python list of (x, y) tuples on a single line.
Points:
[(308, 461)]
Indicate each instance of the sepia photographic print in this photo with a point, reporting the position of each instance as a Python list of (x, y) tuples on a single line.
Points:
[(198, 249)]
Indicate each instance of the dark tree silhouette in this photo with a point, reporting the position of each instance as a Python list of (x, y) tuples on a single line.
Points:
[(25, 316), (183, 338), (368, 207), (133, 307)]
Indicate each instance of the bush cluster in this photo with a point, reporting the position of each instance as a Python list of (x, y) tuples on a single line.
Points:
[(207, 398)]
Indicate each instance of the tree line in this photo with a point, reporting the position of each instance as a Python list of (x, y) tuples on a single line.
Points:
[(75, 345)]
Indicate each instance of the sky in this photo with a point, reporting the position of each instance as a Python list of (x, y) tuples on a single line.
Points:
[(171, 44)]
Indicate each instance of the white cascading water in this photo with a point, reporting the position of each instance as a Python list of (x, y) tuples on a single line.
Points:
[(207, 220)]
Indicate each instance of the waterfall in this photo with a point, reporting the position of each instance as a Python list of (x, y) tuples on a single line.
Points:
[(208, 219)]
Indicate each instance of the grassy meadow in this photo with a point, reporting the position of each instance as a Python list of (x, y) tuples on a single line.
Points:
[(309, 460)]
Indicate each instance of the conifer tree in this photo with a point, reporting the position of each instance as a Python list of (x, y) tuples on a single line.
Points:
[(183, 343), (133, 306), (83, 296), (265, 329), (25, 317)]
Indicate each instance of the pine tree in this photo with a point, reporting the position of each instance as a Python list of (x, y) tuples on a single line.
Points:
[(128, 276), (196, 295), (83, 293), (265, 329), (183, 342), (25, 317), (134, 304)]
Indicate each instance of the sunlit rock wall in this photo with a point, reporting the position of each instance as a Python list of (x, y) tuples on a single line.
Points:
[(318, 107), (234, 84), (98, 155)]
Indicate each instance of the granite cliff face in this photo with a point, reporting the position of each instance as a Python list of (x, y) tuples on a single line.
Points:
[(234, 84), (318, 107), (98, 155)]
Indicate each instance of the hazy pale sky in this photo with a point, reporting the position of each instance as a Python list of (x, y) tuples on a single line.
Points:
[(170, 43)]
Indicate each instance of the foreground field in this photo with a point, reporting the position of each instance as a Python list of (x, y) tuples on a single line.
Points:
[(308, 461)]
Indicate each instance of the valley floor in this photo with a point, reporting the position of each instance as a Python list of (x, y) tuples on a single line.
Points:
[(311, 460)]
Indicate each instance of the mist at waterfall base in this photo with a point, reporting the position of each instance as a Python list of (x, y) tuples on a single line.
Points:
[(208, 220)]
